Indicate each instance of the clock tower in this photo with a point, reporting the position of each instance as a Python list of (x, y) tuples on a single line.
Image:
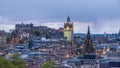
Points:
[(68, 30)]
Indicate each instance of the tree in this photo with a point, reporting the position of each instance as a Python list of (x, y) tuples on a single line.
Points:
[(5, 63), (18, 61), (8, 39), (15, 63), (15, 57), (49, 64), (1, 65), (37, 33)]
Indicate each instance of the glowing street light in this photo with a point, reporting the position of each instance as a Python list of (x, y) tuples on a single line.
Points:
[(67, 56), (104, 52)]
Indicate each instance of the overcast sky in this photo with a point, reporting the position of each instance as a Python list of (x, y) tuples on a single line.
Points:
[(101, 15)]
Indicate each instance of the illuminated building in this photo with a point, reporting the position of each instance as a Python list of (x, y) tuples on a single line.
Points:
[(68, 30)]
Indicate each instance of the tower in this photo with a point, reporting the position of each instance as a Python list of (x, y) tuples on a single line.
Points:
[(68, 30), (119, 34), (88, 43)]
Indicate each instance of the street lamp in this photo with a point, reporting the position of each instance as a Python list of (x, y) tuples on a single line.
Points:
[(67, 56)]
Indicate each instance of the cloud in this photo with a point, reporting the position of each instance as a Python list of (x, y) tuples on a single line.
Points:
[(101, 15), (80, 10), (6, 27), (6, 24), (4, 20), (100, 26), (109, 26), (78, 26)]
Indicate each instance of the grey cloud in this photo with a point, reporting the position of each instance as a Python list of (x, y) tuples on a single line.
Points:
[(82, 10), (57, 10)]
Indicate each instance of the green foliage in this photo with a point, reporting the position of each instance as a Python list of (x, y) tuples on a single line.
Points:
[(1, 65), (4, 63), (49, 64), (38, 33), (18, 63), (8, 39), (15, 56)]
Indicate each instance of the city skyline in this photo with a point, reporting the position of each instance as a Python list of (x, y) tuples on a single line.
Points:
[(102, 16), (60, 33)]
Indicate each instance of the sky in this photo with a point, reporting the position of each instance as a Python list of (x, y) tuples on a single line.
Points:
[(101, 15)]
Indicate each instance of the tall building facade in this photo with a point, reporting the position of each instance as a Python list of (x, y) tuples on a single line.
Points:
[(68, 30), (88, 43)]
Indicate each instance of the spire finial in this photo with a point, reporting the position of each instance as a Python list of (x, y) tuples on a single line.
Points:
[(88, 34), (68, 19), (88, 29)]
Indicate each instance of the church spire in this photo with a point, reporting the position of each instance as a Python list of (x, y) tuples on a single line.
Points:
[(88, 43), (68, 19), (88, 33)]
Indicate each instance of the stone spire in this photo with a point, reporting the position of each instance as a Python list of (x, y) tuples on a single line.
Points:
[(88, 43), (68, 19), (88, 33)]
